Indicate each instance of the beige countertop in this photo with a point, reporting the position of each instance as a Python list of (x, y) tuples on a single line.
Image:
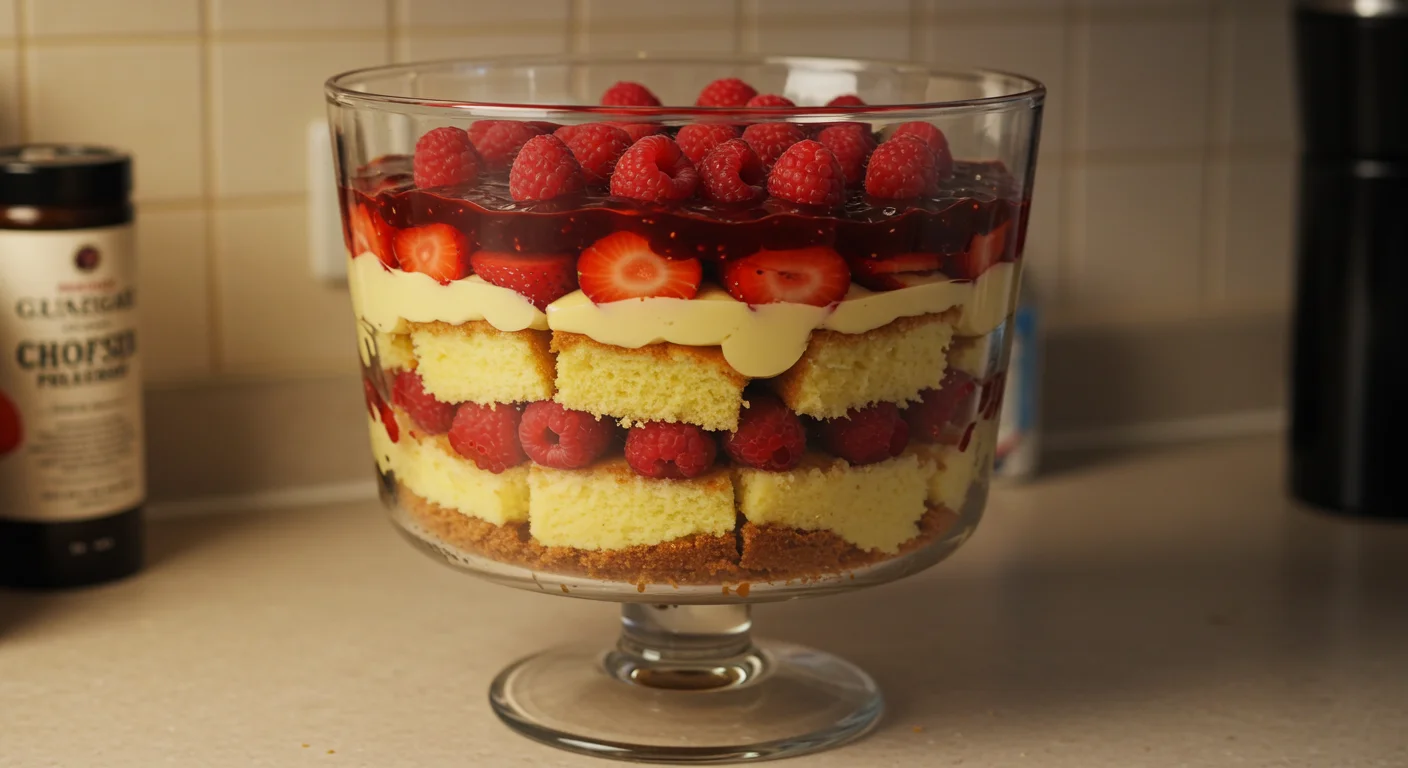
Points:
[(1161, 609)]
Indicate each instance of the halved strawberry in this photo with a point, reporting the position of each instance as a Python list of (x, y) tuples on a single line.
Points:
[(438, 250), (370, 234), (542, 278), (815, 275), (983, 252), (893, 272), (622, 266)]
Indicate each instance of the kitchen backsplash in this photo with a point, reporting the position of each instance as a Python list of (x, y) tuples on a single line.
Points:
[(1161, 229)]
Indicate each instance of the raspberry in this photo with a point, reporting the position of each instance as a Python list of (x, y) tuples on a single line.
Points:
[(429, 413), (379, 410), (852, 144), (562, 438), (445, 156), (808, 174), (770, 100), (487, 435), (846, 100), (732, 173), (498, 141), (770, 140), (769, 436), (867, 435), (545, 168), (654, 170), (726, 92), (697, 139), (638, 131), (935, 139), (665, 450), (628, 94), (901, 168), (942, 414), (597, 147)]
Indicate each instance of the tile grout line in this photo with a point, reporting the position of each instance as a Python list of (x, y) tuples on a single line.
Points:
[(22, 90), (210, 166)]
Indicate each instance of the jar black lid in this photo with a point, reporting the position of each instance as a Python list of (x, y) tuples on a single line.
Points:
[(67, 175)]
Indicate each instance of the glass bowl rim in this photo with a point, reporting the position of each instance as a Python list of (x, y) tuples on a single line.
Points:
[(1030, 92)]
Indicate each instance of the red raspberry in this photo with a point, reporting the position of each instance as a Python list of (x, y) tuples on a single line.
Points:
[(901, 168), (380, 410), (628, 94), (932, 136), (498, 141), (867, 435), (664, 450), (545, 168), (429, 413), (808, 174), (770, 100), (654, 170), (770, 140), (597, 146), (852, 144), (942, 414), (732, 173), (445, 156), (638, 131), (487, 435), (726, 92), (769, 436), (697, 139), (846, 100), (562, 438)]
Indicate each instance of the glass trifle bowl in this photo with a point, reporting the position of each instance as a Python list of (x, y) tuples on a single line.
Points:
[(684, 358)]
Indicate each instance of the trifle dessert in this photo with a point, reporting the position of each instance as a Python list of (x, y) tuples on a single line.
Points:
[(759, 346)]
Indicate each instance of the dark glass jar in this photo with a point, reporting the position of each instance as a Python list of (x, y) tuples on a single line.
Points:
[(72, 478)]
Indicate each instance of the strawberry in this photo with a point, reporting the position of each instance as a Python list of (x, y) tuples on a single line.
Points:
[(815, 275), (983, 251), (542, 278), (725, 92), (628, 94), (893, 272), (370, 234), (622, 266), (438, 250)]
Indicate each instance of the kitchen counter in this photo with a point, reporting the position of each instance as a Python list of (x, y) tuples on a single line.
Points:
[(1166, 608)]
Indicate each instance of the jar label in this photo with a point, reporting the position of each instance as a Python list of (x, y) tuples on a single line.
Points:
[(70, 385)]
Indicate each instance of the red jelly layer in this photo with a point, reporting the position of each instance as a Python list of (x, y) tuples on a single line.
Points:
[(976, 199)]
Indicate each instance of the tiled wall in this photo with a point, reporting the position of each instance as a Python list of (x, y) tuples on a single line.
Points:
[(1163, 197)]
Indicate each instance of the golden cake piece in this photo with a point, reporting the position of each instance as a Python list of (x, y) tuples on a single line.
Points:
[(478, 363), (950, 473), (841, 371), (395, 350), (660, 382), (430, 468), (609, 507), (875, 506)]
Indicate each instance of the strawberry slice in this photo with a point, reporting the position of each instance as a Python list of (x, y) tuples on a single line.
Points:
[(541, 278), (438, 250), (815, 275), (370, 234), (622, 266), (983, 252), (893, 272)]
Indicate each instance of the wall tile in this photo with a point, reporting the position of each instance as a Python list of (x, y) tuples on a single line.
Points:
[(174, 272), (274, 317), (9, 95), (772, 10), (1259, 240), (7, 18), (1000, 6), (479, 13), (845, 38), (1036, 50), (143, 98), (265, 95), (1263, 93), (1146, 85), (657, 25), (112, 17), (1043, 252), (246, 15), (414, 47), (1136, 236)]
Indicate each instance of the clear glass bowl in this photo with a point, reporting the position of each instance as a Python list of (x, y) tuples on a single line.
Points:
[(684, 358)]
